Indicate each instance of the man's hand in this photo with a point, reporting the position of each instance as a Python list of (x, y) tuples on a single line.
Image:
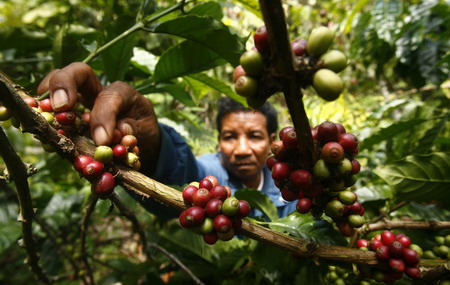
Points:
[(117, 105)]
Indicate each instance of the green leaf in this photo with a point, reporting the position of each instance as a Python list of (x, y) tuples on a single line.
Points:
[(373, 193), (183, 59), (389, 132), (428, 140), (208, 32), (252, 6), (419, 177), (67, 48), (307, 227), (218, 85), (420, 212), (259, 201), (9, 233), (178, 93), (211, 9)]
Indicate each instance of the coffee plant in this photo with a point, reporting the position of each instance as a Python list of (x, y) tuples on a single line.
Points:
[(362, 151)]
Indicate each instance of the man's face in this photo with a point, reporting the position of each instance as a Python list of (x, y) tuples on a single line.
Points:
[(244, 143)]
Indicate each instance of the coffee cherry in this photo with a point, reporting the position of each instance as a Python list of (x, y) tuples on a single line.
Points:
[(81, 161), (397, 264), (46, 105), (290, 140), (374, 244), (195, 215), (362, 243), (288, 194), (347, 197), (119, 152), (206, 226), (5, 114), (301, 178), (382, 253), (236, 223), (210, 238), (201, 197), (226, 236), (299, 47), (222, 223), (129, 141), (103, 186), (103, 154), (252, 62), (219, 192), (396, 249), (206, 183), (356, 221), (392, 275), (348, 141), (281, 171), (213, 179), (182, 220), (344, 166), (356, 167), (410, 257), (188, 193), (132, 161), (320, 170), (341, 128), (346, 229), (32, 102), (319, 41), (285, 130), (355, 208), (417, 249), (238, 72), (414, 273), (261, 40), (278, 150), (334, 60), (328, 85), (213, 207), (48, 117), (271, 160), (65, 118), (387, 237), (244, 209), (334, 209), (93, 169), (304, 205), (246, 86), (230, 206), (405, 241), (332, 152), (327, 132)]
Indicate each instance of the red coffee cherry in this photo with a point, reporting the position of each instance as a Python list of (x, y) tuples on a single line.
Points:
[(213, 179), (46, 105), (346, 229), (413, 272), (219, 192), (301, 178), (65, 118), (404, 240), (281, 171), (332, 152), (304, 205), (356, 167), (327, 132), (201, 197), (210, 238), (182, 220), (117, 136), (81, 161), (236, 223), (382, 253), (222, 223), (93, 169), (410, 257), (188, 193), (278, 150), (271, 160), (226, 236), (374, 244), (285, 130), (387, 237), (244, 209), (119, 152), (261, 40), (195, 215), (238, 72), (206, 183), (355, 208), (396, 249), (32, 102), (397, 264), (348, 141), (362, 243), (341, 128), (129, 141), (288, 194), (299, 47), (213, 207), (290, 140), (103, 186)]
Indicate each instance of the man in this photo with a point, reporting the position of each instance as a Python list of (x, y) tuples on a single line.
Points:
[(245, 135)]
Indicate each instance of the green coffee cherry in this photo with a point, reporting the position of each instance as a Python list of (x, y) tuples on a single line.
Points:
[(356, 221), (319, 41), (334, 209), (327, 84), (439, 240), (320, 170), (103, 153), (230, 206), (252, 62), (5, 114), (206, 226), (347, 197), (334, 60), (447, 240), (246, 86)]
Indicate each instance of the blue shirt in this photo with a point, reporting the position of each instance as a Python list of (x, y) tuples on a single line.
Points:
[(177, 165)]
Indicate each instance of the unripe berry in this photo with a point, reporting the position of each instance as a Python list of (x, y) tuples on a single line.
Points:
[(332, 152), (320, 40), (320, 170), (252, 63), (103, 186), (230, 206), (334, 209), (327, 84), (5, 114), (246, 86), (103, 154), (347, 197), (334, 60), (206, 226), (356, 221)]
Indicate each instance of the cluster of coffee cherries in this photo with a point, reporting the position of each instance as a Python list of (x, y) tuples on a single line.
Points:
[(336, 276), (316, 65), (396, 255), (212, 211), (325, 188), (441, 248)]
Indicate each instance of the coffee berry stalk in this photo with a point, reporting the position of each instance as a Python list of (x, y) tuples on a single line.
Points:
[(324, 188), (212, 211), (395, 253)]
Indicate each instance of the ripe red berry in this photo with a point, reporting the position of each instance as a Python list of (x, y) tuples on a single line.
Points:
[(261, 40), (410, 257), (219, 192), (81, 161), (236, 223), (346, 229), (93, 169), (362, 243), (387, 237), (244, 209), (213, 207), (103, 186), (271, 160), (119, 152), (65, 118), (278, 150), (374, 244), (280, 171), (210, 238), (397, 264), (332, 152), (205, 183), (301, 178), (285, 130), (117, 136), (288, 194), (413, 272), (32, 102), (46, 105), (290, 140), (341, 128), (304, 205), (222, 223), (201, 197), (188, 193), (354, 208), (382, 253), (213, 180), (356, 167), (327, 132), (195, 215), (348, 141), (396, 249), (299, 47), (129, 141), (182, 220), (404, 240)]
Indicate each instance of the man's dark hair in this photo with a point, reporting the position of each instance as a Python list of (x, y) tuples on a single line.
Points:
[(227, 105)]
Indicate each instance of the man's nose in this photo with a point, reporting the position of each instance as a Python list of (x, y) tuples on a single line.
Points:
[(243, 147)]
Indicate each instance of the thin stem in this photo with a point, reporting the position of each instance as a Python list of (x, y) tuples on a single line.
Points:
[(88, 210)]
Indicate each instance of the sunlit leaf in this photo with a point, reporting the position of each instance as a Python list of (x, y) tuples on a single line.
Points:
[(211, 9)]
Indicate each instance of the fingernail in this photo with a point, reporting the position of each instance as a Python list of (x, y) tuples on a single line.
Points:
[(59, 99), (100, 136), (126, 129)]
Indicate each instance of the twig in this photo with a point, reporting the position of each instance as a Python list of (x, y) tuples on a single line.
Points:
[(415, 225), (88, 210), (178, 262), (19, 173)]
